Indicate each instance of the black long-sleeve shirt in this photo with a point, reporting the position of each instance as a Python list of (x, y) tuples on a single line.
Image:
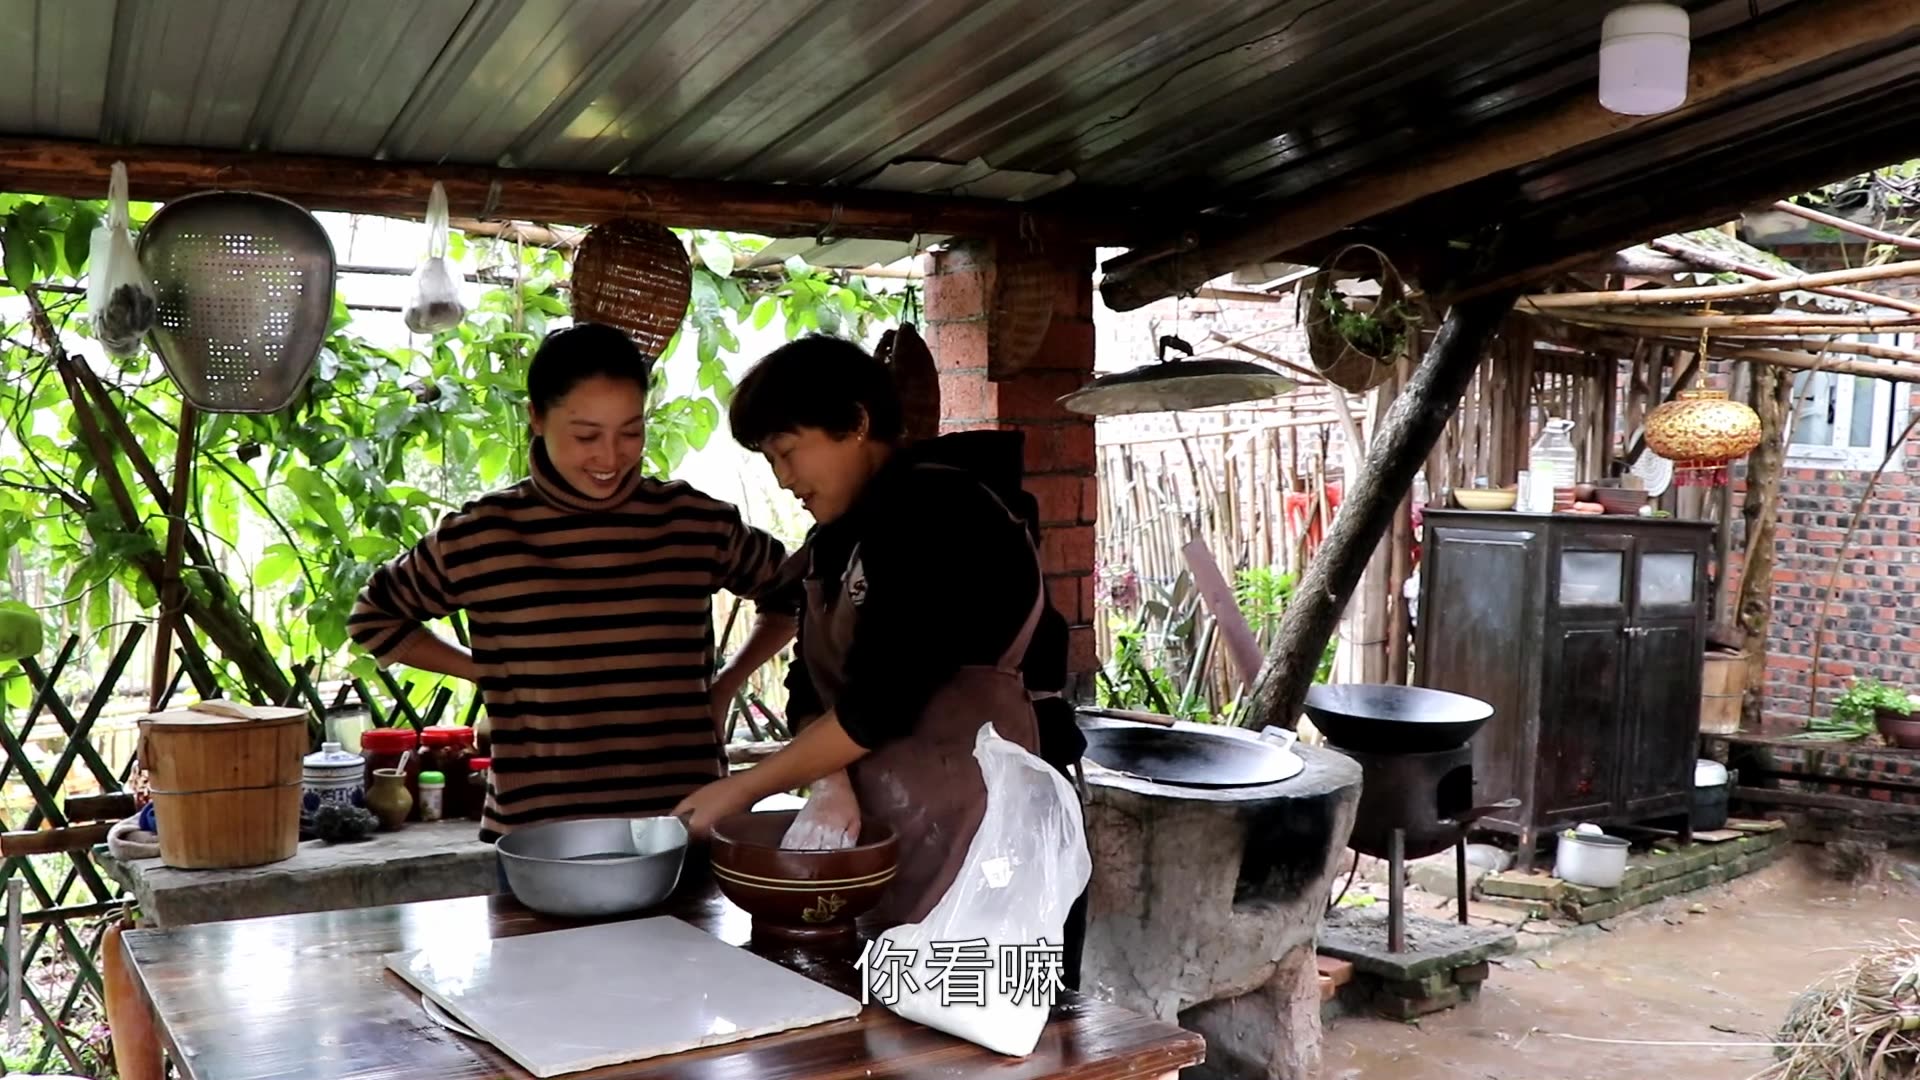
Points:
[(949, 579)]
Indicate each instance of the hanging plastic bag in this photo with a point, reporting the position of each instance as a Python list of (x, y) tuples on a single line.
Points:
[(436, 290), (986, 962), (120, 296)]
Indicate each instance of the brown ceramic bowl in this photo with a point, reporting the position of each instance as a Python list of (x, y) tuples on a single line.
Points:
[(1620, 500), (799, 895)]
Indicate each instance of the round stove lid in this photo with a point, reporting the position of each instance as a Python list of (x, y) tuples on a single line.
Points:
[(1187, 758)]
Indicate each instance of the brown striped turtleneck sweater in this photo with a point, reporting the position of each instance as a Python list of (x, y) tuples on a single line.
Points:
[(591, 624)]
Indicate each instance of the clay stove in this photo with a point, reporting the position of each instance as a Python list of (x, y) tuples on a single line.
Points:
[(1210, 878)]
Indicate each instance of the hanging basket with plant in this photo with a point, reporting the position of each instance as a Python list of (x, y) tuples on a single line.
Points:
[(1354, 341)]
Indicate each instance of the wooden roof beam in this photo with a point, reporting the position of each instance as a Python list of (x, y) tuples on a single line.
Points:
[(396, 189), (1734, 63)]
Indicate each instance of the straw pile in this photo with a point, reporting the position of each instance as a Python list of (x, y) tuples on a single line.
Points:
[(1861, 1022)]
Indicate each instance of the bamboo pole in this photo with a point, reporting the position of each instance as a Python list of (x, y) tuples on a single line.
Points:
[(1868, 232), (1713, 293), (1814, 362), (1849, 348), (1714, 261), (1775, 325)]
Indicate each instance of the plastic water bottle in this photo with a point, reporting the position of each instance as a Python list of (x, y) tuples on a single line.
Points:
[(1552, 455)]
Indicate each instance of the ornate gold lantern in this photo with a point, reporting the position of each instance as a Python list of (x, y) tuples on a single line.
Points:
[(1700, 431)]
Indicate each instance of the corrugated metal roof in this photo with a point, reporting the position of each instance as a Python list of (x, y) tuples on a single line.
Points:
[(1198, 99), (1157, 108)]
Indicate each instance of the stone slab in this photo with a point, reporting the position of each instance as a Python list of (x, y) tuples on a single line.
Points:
[(423, 861), (1517, 886), (1360, 935), (1755, 826), (1717, 836)]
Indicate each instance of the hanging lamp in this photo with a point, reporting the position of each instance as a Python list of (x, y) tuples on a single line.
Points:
[(1701, 431), (1172, 385), (1644, 48)]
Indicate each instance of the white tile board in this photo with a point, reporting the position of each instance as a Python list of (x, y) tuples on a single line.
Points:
[(586, 997)]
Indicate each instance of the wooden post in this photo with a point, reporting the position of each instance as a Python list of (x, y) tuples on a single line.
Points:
[(1772, 390), (1406, 434)]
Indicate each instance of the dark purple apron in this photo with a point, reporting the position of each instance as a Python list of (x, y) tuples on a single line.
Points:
[(927, 785)]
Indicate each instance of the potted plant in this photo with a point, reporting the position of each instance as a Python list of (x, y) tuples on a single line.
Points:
[(1886, 708), (1356, 343)]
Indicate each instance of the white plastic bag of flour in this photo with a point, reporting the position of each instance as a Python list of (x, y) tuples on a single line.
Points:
[(985, 964)]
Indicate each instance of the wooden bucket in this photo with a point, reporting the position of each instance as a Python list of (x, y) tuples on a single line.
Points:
[(1723, 684), (225, 783)]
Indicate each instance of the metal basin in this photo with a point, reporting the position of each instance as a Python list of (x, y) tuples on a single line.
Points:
[(1188, 758), (597, 866), (1387, 719)]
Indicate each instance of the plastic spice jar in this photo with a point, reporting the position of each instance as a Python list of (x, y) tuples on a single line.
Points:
[(477, 771), (447, 749), (383, 747), (433, 792)]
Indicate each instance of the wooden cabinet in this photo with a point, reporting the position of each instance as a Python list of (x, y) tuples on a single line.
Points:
[(1587, 636)]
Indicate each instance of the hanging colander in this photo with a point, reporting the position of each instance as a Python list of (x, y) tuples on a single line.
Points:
[(245, 286)]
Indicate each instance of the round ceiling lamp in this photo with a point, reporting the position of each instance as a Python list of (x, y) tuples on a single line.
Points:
[(1171, 385), (1643, 59), (1700, 431)]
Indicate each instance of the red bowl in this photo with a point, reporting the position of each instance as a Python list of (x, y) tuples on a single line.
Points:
[(800, 895)]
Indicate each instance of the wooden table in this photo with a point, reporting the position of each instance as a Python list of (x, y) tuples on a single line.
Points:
[(303, 996)]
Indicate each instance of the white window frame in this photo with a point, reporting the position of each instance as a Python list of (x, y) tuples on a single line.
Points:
[(1890, 411)]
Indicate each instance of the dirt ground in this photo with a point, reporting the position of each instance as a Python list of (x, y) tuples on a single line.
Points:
[(1664, 974)]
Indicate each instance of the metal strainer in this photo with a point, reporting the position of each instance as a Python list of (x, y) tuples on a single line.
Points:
[(245, 285)]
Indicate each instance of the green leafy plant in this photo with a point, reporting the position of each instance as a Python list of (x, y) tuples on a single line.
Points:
[(1853, 712), (1380, 333)]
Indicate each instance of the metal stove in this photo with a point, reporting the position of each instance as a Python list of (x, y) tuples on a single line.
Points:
[(1413, 746)]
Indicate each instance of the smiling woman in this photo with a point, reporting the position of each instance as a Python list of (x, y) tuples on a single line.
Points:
[(588, 589)]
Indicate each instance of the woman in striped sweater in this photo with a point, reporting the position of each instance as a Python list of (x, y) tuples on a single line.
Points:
[(588, 590)]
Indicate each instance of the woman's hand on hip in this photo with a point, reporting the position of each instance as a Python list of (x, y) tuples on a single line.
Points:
[(722, 798)]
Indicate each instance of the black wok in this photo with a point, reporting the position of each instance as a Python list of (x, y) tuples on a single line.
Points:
[(1188, 758), (1387, 719)]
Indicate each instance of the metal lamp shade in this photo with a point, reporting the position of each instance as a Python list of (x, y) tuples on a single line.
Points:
[(1174, 385)]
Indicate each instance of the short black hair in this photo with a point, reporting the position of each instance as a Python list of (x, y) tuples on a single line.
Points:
[(815, 381), (581, 351)]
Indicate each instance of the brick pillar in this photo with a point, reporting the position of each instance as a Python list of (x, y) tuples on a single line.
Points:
[(976, 391)]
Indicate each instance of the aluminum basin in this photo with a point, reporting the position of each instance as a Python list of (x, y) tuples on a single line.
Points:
[(595, 866)]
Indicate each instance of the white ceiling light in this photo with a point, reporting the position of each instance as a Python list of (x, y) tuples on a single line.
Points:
[(1643, 59)]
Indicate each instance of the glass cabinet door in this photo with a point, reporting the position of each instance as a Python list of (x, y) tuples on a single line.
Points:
[(1667, 579), (1591, 577)]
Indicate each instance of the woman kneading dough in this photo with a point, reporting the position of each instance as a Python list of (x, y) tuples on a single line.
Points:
[(589, 594), (922, 593)]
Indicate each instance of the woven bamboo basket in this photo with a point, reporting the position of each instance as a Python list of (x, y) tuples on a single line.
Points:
[(226, 789), (634, 275), (1338, 360)]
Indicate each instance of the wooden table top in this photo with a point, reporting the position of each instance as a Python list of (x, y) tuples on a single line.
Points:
[(293, 997)]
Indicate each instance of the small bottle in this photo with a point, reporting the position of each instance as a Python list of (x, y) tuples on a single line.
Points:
[(433, 790)]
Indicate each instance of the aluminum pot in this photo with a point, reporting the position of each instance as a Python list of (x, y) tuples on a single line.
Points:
[(1593, 859), (595, 866)]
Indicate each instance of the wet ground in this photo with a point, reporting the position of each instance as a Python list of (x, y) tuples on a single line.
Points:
[(1668, 973)]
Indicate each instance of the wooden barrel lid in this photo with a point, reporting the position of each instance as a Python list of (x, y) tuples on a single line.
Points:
[(211, 715)]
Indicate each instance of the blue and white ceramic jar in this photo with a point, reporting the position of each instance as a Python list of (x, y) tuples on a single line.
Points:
[(330, 775)]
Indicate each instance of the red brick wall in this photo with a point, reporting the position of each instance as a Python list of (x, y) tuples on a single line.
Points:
[(1873, 623), (1059, 444)]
